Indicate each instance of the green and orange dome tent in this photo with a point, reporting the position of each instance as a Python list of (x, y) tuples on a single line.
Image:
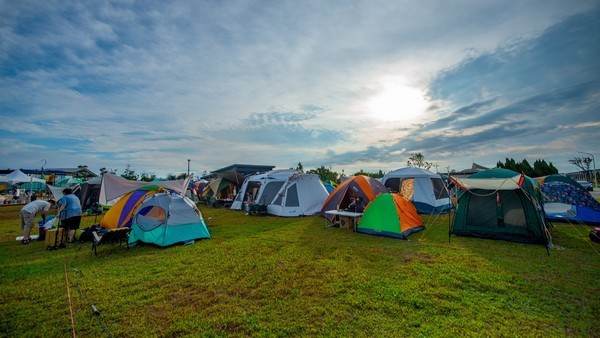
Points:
[(390, 215)]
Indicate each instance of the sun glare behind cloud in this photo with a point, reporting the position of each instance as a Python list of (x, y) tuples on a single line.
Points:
[(397, 102)]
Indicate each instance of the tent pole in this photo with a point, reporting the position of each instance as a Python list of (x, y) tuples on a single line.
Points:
[(449, 226)]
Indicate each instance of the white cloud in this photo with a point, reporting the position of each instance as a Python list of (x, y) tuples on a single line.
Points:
[(229, 81)]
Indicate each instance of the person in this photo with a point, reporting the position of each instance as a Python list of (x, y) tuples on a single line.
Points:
[(247, 202), (28, 213), (69, 212), (357, 205)]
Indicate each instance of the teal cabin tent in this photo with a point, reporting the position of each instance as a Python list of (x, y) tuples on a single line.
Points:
[(500, 204)]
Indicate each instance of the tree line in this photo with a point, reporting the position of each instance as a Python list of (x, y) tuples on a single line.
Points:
[(540, 168)]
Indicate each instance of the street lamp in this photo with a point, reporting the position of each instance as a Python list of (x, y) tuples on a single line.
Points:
[(594, 162)]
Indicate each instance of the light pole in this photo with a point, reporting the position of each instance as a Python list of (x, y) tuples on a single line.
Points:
[(594, 162)]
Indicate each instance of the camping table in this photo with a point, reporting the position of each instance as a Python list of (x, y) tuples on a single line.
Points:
[(347, 216)]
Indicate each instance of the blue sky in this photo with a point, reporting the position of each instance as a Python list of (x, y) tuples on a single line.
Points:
[(349, 85)]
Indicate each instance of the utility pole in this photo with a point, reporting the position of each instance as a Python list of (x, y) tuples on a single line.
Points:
[(594, 162)]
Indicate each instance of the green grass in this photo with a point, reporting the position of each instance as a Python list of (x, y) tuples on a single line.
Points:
[(272, 276)]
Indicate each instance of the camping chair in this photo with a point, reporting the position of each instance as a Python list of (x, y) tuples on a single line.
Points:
[(109, 237), (257, 209), (214, 202)]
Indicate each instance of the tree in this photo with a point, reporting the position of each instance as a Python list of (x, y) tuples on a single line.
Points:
[(584, 164), (300, 168), (540, 167), (103, 170), (129, 174), (324, 173), (418, 160), (172, 177), (378, 174), (147, 177)]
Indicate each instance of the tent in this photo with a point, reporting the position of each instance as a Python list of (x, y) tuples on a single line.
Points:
[(219, 188), (89, 192), (366, 187), (18, 177), (426, 190), (390, 215), (286, 193), (27, 182), (329, 185), (232, 176), (565, 200), (165, 219), (200, 186), (301, 194), (113, 187), (68, 182), (500, 204), (121, 213)]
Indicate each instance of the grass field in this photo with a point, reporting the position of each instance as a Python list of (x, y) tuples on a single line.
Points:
[(272, 276)]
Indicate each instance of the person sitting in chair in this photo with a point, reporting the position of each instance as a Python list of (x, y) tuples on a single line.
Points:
[(357, 205)]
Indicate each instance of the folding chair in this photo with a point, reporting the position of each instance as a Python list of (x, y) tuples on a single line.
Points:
[(109, 237)]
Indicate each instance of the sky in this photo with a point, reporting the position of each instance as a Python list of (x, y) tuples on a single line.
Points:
[(349, 85)]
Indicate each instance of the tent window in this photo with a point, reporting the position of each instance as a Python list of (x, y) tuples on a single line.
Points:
[(481, 210), (278, 200), (269, 193), (393, 184), (512, 207), (407, 188), (439, 189), (153, 212), (292, 197)]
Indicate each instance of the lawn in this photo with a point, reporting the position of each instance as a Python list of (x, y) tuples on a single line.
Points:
[(273, 276)]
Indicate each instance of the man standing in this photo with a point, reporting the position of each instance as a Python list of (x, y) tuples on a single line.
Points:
[(70, 212), (28, 213)]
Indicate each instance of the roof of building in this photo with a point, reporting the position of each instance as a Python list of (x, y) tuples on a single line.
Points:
[(246, 169), (75, 172)]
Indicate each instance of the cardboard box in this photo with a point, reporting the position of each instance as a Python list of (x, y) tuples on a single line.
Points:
[(56, 238)]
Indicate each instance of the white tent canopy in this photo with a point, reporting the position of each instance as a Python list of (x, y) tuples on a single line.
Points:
[(114, 186), (511, 183), (17, 177)]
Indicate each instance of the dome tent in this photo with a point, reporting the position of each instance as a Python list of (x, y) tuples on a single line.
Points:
[(390, 215), (565, 200), (165, 219), (364, 186), (425, 189), (286, 193)]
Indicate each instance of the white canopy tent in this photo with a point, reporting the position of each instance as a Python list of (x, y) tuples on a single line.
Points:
[(113, 187), (18, 177)]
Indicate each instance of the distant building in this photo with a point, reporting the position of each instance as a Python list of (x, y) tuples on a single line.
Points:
[(54, 174), (245, 169), (583, 175), (475, 168)]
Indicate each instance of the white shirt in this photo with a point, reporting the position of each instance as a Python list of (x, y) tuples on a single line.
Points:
[(36, 207)]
